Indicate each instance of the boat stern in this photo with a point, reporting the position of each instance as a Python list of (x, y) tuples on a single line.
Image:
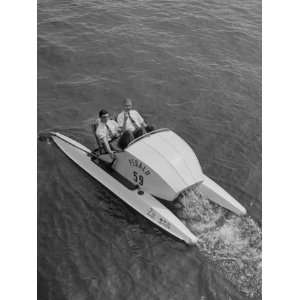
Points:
[(216, 194)]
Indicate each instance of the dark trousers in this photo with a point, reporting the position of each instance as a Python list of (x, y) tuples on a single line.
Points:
[(128, 136), (142, 130)]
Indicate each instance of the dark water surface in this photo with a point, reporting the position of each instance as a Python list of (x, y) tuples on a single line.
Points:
[(191, 66)]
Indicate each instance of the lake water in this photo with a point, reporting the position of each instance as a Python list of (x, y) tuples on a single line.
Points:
[(191, 66)]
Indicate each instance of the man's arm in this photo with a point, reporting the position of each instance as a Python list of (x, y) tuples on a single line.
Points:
[(101, 136), (140, 118), (108, 148), (106, 145)]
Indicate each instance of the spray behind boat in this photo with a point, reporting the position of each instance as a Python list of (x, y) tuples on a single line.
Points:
[(230, 242)]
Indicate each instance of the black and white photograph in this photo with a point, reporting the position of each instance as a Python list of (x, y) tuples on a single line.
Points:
[(149, 151)]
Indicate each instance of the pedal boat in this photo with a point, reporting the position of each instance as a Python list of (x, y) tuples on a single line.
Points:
[(153, 168)]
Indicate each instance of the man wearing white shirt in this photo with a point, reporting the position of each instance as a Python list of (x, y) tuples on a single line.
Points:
[(109, 135), (129, 119), (107, 131)]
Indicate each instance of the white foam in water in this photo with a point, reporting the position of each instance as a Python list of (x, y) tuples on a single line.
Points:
[(232, 242)]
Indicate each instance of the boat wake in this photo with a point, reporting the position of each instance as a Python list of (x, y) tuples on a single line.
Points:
[(231, 242)]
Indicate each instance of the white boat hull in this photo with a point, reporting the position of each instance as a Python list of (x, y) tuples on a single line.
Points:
[(215, 193), (144, 203)]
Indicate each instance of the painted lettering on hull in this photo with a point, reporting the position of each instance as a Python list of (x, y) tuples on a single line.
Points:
[(161, 220), (139, 165)]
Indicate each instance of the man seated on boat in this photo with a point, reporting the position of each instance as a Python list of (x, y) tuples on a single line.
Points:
[(130, 120), (109, 135)]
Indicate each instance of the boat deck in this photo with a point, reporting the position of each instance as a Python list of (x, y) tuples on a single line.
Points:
[(107, 168)]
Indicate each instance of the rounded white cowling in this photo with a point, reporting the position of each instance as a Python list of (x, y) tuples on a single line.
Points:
[(162, 163)]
